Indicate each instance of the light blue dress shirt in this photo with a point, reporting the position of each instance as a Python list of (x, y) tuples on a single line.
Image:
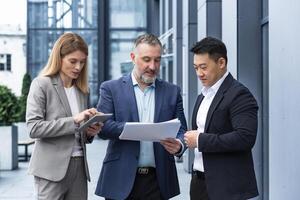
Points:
[(145, 101)]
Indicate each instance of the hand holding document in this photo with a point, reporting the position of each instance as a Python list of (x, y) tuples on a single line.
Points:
[(150, 131), (100, 117)]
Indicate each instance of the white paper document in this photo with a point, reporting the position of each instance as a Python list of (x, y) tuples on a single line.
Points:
[(150, 131)]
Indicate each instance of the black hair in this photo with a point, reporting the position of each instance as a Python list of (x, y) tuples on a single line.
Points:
[(213, 46)]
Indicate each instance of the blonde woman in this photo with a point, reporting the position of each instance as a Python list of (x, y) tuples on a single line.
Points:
[(56, 105)]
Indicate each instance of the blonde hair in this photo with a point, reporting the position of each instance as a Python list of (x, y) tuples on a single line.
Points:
[(66, 44)]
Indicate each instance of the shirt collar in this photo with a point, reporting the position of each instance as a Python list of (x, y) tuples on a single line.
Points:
[(214, 89), (135, 83)]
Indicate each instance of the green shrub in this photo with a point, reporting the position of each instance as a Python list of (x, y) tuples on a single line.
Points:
[(8, 106), (23, 98)]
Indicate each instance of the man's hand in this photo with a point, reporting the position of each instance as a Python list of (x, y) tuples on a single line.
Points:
[(172, 145), (94, 129), (190, 138)]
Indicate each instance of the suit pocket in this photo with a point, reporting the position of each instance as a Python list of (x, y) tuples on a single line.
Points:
[(111, 157)]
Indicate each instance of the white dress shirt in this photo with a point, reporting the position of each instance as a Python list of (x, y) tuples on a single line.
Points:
[(72, 99), (209, 94)]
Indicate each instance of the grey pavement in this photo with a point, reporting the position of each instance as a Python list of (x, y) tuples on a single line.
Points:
[(18, 185)]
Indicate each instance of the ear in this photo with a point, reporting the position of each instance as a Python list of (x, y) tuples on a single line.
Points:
[(132, 56), (222, 63)]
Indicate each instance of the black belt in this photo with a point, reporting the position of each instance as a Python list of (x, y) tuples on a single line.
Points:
[(145, 170), (200, 175), (77, 157)]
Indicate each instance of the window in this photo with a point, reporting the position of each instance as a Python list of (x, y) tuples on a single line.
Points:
[(48, 19), (8, 62), (127, 20), (5, 62)]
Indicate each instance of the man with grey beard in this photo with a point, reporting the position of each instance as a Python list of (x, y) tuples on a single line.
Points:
[(140, 169)]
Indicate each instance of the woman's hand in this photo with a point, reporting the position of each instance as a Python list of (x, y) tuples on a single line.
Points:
[(94, 129), (84, 115)]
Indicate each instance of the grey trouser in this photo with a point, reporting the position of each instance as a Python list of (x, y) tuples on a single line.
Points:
[(72, 187)]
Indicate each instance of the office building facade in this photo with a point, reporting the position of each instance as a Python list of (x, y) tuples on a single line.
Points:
[(262, 41), (12, 57)]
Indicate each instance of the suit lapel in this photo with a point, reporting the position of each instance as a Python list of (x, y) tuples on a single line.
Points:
[(158, 99), (195, 111), (217, 99), (58, 85), (129, 97)]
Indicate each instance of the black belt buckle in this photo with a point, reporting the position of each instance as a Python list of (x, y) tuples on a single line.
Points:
[(143, 170), (77, 157)]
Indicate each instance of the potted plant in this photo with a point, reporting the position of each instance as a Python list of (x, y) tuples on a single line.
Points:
[(23, 137), (23, 98), (8, 115)]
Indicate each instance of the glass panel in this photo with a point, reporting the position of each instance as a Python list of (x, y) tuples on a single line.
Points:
[(37, 14), (120, 53), (129, 35), (265, 5), (127, 13), (8, 62), (1, 66), (127, 16), (166, 68), (48, 19), (120, 47), (63, 14), (2, 62), (38, 51)]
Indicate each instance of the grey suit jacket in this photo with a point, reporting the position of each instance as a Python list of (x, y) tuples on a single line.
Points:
[(50, 123)]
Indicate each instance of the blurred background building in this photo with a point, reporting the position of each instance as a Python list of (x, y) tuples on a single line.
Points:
[(262, 41), (12, 56)]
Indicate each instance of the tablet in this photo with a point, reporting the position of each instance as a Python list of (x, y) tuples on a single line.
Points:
[(96, 118)]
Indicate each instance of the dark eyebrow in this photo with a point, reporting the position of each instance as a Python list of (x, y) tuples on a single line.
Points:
[(200, 65)]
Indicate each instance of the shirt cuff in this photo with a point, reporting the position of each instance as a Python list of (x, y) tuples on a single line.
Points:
[(181, 151)]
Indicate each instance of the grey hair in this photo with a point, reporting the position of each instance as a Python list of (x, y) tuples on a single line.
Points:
[(147, 38)]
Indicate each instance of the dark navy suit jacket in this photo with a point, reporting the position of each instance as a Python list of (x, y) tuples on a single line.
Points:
[(121, 161), (229, 135)]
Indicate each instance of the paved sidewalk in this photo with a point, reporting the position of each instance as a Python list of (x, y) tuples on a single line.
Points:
[(17, 185)]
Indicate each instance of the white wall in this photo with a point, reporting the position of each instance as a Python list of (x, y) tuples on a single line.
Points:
[(229, 33), (13, 44), (201, 15), (202, 28), (284, 95)]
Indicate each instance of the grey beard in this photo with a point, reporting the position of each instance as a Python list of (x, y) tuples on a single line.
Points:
[(147, 80)]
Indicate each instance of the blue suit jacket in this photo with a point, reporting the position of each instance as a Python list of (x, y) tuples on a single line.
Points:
[(121, 161)]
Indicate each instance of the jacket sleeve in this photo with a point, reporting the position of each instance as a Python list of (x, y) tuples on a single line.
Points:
[(111, 129), (242, 117), (181, 117), (36, 113)]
